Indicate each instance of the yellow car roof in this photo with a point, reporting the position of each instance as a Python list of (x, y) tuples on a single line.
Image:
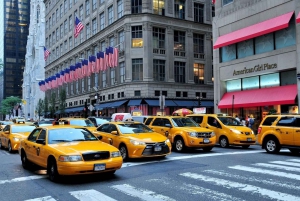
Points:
[(66, 119), (60, 127)]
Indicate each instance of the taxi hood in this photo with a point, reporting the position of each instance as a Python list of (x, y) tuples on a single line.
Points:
[(193, 129), (146, 137), (240, 128), (77, 147)]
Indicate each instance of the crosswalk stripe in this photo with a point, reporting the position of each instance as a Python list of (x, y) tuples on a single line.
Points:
[(278, 167), (141, 193), (91, 195), (265, 181), (22, 179), (286, 163), (265, 171), (47, 198), (294, 160), (242, 187)]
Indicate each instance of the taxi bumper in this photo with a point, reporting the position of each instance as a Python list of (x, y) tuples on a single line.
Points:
[(83, 167), (245, 140), (148, 151), (201, 142)]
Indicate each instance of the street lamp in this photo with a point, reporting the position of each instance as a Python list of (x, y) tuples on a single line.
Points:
[(199, 98), (97, 98)]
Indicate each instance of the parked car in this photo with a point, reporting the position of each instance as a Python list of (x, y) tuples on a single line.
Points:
[(98, 121)]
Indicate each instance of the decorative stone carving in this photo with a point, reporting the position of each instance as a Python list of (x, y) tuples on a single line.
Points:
[(170, 29)]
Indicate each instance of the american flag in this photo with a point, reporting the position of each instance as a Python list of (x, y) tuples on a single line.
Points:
[(213, 1), (102, 61), (113, 57), (78, 27), (98, 63), (107, 63), (46, 53)]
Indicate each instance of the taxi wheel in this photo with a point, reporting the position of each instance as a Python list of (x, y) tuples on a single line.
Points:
[(272, 145), (179, 144), (124, 152), (9, 147), (52, 170), (25, 163), (224, 142), (246, 146)]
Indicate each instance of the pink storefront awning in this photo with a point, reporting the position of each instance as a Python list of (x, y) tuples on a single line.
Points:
[(298, 18), (255, 30)]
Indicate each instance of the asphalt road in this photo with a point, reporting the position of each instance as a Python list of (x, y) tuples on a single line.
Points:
[(232, 174)]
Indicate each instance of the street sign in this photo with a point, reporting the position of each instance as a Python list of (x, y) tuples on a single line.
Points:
[(200, 110), (162, 102), (91, 108)]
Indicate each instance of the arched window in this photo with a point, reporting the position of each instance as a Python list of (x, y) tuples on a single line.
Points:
[(38, 14)]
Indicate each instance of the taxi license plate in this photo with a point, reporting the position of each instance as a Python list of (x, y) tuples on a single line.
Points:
[(99, 167), (249, 139), (157, 148), (205, 141)]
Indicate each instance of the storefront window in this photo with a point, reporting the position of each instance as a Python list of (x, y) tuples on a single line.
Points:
[(288, 77), (264, 43), (250, 83), (269, 80), (228, 53), (245, 48), (234, 85), (286, 37)]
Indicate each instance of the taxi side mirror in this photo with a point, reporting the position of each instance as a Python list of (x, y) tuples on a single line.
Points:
[(114, 132), (99, 137), (40, 141)]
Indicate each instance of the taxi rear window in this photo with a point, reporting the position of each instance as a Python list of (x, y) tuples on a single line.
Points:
[(269, 121)]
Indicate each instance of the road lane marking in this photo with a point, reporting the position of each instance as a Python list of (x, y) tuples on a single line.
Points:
[(142, 194), (266, 193), (265, 171), (22, 179), (295, 169), (190, 156), (294, 160), (286, 163), (91, 195), (47, 198), (265, 181)]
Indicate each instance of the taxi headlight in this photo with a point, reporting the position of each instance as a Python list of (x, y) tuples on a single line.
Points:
[(115, 154), (16, 139), (167, 141), (134, 142), (73, 158), (193, 134), (212, 134), (235, 131)]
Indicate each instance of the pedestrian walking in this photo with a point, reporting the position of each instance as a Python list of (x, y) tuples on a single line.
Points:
[(237, 118), (250, 121)]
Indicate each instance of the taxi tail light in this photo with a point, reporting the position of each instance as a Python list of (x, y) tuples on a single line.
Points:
[(259, 130)]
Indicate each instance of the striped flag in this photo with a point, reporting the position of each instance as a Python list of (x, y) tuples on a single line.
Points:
[(46, 53), (98, 63), (83, 69), (93, 61), (106, 58), (67, 75), (78, 27), (213, 1), (102, 61), (113, 57)]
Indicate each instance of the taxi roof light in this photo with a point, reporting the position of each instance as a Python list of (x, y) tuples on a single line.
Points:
[(60, 123)]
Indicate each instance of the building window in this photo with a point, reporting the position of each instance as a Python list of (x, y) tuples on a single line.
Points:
[(103, 46), (87, 7), (103, 78), (61, 11), (137, 93), (225, 2), (65, 6), (50, 22), (88, 31), (38, 14), (198, 73), (122, 72), (112, 76), (121, 40), (101, 1), (184, 94), (178, 93), (94, 22), (57, 52), (180, 9), (61, 49), (179, 40), (102, 21), (70, 43), (159, 7), (136, 6), (71, 23), (156, 93), (137, 36), (198, 12), (70, 3), (66, 45), (164, 93), (66, 26), (57, 16), (158, 37), (120, 8), (61, 31), (198, 40), (137, 69), (57, 35), (50, 40), (110, 15), (179, 71), (111, 41), (94, 4), (81, 12), (159, 70)]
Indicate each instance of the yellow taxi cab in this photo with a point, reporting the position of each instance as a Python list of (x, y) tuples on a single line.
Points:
[(182, 132), (79, 121), (280, 131), (12, 134), (4, 123), (134, 139), (68, 150), (228, 130)]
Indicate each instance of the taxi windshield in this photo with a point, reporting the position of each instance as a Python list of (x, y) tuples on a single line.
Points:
[(184, 122), (6, 123), (69, 135), (129, 128), (82, 122), (17, 129), (230, 121)]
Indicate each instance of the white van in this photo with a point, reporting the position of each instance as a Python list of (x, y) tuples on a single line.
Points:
[(121, 117)]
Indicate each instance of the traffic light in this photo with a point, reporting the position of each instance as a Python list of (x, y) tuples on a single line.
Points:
[(85, 109)]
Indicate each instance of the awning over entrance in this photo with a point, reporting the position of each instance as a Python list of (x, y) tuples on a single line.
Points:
[(74, 109), (255, 30), (117, 103), (136, 102), (298, 18), (152, 102), (260, 97), (184, 103)]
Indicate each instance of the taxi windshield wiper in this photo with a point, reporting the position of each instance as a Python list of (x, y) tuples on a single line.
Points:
[(78, 140)]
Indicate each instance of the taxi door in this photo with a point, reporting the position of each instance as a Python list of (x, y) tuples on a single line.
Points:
[(113, 139), (162, 126), (5, 136), (103, 131), (40, 151), (297, 132), (213, 123), (30, 145), (285, 128)]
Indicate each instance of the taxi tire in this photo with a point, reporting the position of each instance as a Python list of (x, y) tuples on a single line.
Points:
[(124, 152), (52, 170), (25, 163), (9, 148), (179, 145), (272, 145), (223, 141)]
